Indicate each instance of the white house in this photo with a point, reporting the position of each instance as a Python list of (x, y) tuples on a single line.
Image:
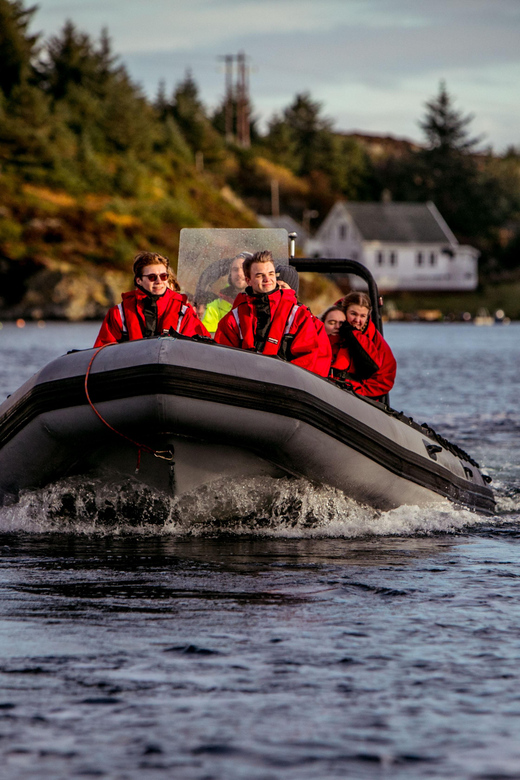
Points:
[(406, 246)]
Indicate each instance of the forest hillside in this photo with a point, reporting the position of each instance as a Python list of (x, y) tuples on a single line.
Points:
[(92, 171)]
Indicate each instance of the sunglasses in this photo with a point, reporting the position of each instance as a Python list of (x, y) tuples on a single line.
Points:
[(153, 277)]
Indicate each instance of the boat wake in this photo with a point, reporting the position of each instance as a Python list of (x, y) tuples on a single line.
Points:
[(292, 508)]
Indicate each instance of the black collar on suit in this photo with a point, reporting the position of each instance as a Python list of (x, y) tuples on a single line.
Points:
[(263, 315), (150, 313)]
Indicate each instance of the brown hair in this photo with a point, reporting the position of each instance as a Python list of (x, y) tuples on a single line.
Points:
[(336, 307), (357, 298), (154, 258), (259, 257)]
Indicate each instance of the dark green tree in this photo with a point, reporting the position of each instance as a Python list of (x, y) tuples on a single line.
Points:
[(195, 125), (451, 172), (281, 144), (161, 104), (301, 134), (27, 132), (303, 140), (447, 129), (71, 59), (170, 137), (17, 47), (303, 117), (94, 96), (128, 121)]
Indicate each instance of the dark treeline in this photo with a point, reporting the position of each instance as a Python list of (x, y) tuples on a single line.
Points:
[(72, 119)]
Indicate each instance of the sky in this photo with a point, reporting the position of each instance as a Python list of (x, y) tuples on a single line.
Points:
[(372, 64)]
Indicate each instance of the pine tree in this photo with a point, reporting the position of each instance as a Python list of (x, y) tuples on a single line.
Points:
[(161, 105), (28, 135), (447, 172), (311, 131), (282, 144), (72, 60), (190, 115), (445, 128), (17, 47)]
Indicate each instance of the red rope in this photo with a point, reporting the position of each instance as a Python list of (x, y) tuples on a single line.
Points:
[(140, 447)]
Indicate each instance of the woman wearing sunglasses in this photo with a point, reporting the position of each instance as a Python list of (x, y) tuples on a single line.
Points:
[(155, 306)]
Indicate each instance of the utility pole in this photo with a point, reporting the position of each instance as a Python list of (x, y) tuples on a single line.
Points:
[(229, 96), (243, 129), (228, 102), (241, 95), (275, 198)]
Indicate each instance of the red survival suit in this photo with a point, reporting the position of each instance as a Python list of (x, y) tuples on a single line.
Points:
[(288, 329), (363, 360), (127, 320), (324, 354)]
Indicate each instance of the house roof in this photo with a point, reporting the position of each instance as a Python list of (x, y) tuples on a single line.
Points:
[(284, 221), (400, 222)]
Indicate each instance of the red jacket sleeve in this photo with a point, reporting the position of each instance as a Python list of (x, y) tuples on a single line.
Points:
[(383, 379), (227, 331), (111, 330), (306, 346), (324, 354), (192, 326)]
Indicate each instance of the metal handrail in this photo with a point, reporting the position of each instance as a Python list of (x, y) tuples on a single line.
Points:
[(325, 265)]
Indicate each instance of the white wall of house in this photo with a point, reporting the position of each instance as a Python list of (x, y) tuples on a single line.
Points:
[(337, 237), (421, 266), (397, 266)]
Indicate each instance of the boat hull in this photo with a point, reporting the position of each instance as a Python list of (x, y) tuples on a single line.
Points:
[(223, 413)]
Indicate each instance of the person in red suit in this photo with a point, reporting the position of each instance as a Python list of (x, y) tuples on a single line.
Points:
[(155, 306), (362, 360), (287, 277), (269, 319), (331, 320)]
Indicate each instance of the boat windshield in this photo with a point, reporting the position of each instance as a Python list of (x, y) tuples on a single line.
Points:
[(206, 254)]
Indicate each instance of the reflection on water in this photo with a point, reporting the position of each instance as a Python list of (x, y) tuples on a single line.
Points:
[(223, 553)]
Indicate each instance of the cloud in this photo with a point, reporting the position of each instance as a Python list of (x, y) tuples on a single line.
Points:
[(179, 25), (369, 60)]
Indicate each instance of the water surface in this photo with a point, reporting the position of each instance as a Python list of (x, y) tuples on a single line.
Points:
[(294, 634)]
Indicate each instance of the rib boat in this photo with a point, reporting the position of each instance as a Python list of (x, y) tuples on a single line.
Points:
[(179, 414)]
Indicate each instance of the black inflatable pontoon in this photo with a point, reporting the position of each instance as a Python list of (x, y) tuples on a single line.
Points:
[(210, 412)]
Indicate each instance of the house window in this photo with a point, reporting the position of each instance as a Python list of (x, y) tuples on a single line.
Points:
[(433, 258), (379, 258), (393, 258), (419, 258), (343, 232)]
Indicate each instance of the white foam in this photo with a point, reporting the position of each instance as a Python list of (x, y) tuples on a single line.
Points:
[(262, 506)]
